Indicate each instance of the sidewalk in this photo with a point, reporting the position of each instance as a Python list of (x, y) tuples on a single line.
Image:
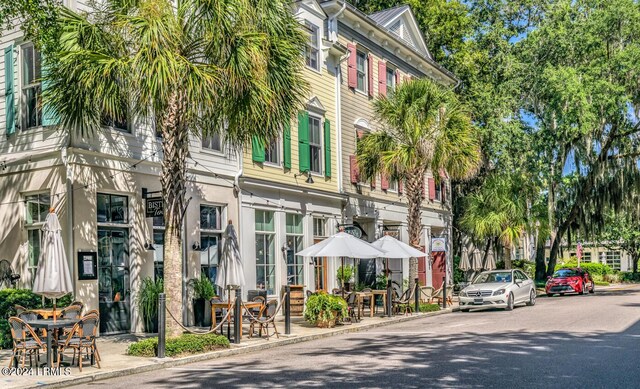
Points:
[(115, 362)]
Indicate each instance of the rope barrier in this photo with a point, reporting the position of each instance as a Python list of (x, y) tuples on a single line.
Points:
[(219, 326)]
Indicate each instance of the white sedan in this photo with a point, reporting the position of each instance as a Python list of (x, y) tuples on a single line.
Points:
[(498, 289)]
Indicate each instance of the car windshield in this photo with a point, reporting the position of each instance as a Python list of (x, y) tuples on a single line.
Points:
[(485, 278), (565, 273)]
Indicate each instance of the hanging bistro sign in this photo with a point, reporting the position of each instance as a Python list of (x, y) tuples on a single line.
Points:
[(154, 207), (438, 245)]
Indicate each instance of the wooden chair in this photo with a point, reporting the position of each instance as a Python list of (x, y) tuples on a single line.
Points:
[(426, 294), (438, 295), (267, 318), (25, 341), (82, 337)]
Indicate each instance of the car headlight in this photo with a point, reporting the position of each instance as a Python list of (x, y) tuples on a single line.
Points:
[(499, 292), (463, 293)]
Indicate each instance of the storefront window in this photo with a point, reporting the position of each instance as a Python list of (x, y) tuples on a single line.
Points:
[(295, 275), (210, 255), (37, 208), (265, 251)]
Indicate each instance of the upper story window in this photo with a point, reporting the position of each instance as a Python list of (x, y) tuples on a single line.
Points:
[(319, 227), (393, 185), (117, 123), (438, 186), (315, 145), (391, 80), (272, 152), (212, 142), (361, 69), (210, 217), (31, 86), (312, 51), (37, 207), (112, 208)]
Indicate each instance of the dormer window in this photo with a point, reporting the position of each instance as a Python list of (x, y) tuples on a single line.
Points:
[(312, 51)]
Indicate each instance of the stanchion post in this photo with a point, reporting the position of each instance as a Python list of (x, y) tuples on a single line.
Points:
[(162, 324), (389, 299), (444, 292), (417, 297), (287, 310), (237, 330)]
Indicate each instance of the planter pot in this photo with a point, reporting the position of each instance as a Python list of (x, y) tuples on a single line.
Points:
[(201, 313), (322, 323)]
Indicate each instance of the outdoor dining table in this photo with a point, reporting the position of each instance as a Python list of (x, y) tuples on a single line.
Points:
[(372, 300), (51, 325), (47, 313), (228, 305)]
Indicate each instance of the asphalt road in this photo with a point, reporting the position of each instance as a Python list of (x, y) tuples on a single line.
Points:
[(590, 341)]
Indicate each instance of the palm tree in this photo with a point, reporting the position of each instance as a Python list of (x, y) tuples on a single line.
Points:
[(424, 128), (193, 67)]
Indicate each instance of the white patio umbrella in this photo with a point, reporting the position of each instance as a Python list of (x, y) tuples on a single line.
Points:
[(230, 272), (342, 245), (53, 278), (464, 260), (476, 265), (490, 261), (396, 249)]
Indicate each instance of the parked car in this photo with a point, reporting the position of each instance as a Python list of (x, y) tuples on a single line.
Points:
[(498, 289), (569, 280)]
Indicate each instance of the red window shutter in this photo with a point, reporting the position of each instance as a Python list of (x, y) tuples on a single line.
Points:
[(373, 182), (400, 188), (397, 77), (352, 74), (353, 168), (443, 174), (384, 182), (382, 78), (370, 64), (432, 189)]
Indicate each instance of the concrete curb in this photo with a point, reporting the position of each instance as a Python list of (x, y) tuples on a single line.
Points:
[(157, 364)]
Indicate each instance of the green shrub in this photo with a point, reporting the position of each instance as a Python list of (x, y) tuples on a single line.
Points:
[(628, 276), (148, 301), (593, 268), (183, 344), (528, 267), (203, 288), (323, 306), (25, 297), (612, 278), (601, 283), (344, 275), (423, 307)]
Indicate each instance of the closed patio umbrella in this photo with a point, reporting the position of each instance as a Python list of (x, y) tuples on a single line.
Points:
[(396, 249), (476, 265), (53, 278), (230, 272), (490, 261), (464, 260)]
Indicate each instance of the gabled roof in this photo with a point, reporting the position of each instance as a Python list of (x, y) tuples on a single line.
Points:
[(401, 22)]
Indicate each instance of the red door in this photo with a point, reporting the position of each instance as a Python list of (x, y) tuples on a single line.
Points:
[(437, 272), (422, 269)]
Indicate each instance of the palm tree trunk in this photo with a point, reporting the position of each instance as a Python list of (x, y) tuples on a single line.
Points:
[(415, 183), (175, 146)]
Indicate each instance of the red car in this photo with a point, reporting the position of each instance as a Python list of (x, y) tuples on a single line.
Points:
[(573, 280)]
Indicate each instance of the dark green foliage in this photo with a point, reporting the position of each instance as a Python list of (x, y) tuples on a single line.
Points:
[(184, 344), (148, 300), (593, 268), (25, 297), (423, 307), (323, 306), (629, 277), (203, 288), (458, 275)]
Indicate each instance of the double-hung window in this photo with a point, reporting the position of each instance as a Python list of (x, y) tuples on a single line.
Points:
[(265, 250), (438, 187), (37, 209), (212, 142), (31, 86), (272, 152), (391, 80), (294, 244), (315, 145), (361, 70), (312, 51)]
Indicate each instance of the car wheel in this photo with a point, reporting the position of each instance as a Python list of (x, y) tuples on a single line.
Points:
[(509, 302), (561, 294), (549, 294), (593, 288), (532, 298)]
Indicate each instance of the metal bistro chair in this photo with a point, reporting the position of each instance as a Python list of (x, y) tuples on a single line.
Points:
[(353, 311), (267, 318), (82, 337), (25, 341)]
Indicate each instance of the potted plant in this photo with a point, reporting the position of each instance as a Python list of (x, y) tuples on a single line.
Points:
[(148, 302), (345, 273), (322, 309), (203, 291)]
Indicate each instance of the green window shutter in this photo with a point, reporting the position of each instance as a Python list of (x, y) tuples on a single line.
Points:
[(327, 148), (49, 115), (286, 149), (303, 141), (257, 150), (9, 91)]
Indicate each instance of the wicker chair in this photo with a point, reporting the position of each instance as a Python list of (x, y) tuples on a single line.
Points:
[(427, 294), (82, 337), (19, 309), (79, 304), (352, 308), (28, 315), (72, 312), (405, 301), (25, 341), (267, 318)]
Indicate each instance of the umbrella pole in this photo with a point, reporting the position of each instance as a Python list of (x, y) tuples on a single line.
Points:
[(342, 278), (54, 309)]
